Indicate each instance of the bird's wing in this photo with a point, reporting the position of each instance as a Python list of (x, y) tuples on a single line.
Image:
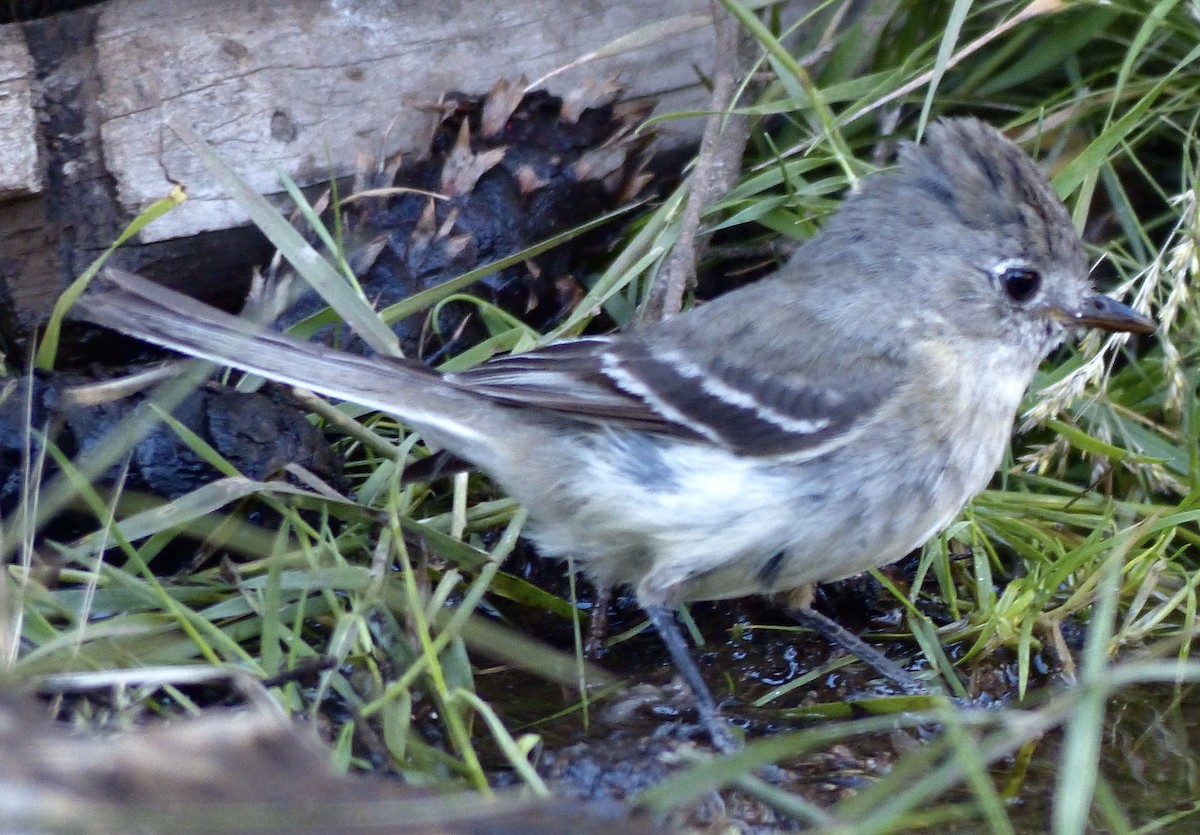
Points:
[(655, 386)]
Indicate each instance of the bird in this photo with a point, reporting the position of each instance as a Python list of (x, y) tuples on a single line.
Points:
[(827, 419)]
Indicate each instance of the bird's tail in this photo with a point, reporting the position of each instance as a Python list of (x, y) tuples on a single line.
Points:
[(137, 307)]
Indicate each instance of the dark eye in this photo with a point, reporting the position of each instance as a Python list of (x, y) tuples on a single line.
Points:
[(1021, 283)]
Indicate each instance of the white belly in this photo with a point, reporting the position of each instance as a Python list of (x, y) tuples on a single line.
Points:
[(689, 521)]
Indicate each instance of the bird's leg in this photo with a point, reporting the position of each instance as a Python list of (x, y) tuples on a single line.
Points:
[(664, 621), (593, 648), (801, 610)]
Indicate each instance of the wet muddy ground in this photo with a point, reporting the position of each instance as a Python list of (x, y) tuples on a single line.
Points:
[(646, 732)]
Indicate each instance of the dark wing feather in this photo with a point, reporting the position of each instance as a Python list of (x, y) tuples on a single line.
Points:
[(568, 378), (636, 384)]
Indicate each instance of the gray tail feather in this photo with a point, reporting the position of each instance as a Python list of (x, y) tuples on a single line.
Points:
[(137, 307)]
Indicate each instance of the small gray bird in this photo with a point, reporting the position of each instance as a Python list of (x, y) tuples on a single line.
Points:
[(823, 421)]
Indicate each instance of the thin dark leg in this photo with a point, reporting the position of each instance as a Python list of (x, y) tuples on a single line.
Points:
[(664, 621), (593, 648), (838, 635)]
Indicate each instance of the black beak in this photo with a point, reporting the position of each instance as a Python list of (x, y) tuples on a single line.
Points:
[(1100, 311)]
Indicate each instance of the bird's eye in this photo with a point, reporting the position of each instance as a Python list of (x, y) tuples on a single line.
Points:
[(1021, 283)]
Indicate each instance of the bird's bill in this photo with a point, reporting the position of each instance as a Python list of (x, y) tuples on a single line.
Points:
[(1100, 311)]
